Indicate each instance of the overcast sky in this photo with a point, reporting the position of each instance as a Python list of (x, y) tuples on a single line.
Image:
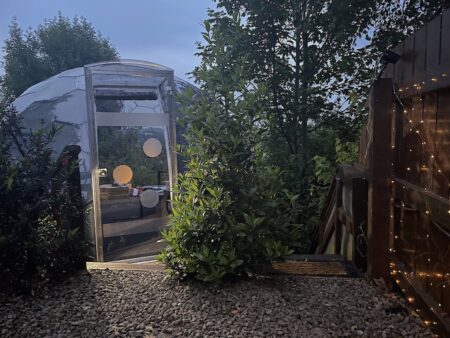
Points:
[(162, 31)]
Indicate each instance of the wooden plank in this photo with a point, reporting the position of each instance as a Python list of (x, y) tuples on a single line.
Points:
[(441, 158), (414, 142), (380, 110), (445, 42), (345, 219), (428, 134), (408, 57), (446, 290), (389, 71), (399, 68), (433, 46), (424, 201), (150, 266), (405, 243), (407, 89), (420, 55), (403, 129), (359, 212)]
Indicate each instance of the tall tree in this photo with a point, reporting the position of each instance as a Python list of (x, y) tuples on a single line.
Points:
[(303, 51), (57, 45), (317, 60), (22, 64)]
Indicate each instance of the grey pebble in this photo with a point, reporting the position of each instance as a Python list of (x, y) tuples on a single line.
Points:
[(150, 305)]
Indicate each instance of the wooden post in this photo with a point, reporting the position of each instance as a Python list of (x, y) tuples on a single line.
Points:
[(380, 169), (359, 212), (337, 222)]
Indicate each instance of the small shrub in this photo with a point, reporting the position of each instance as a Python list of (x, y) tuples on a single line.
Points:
[(231, 212), (38, 237)]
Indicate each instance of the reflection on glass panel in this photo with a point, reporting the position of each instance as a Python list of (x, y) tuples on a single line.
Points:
[(131, 100), (134, 191), (127, 106)]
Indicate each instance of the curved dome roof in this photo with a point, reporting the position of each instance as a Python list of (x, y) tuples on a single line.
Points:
[(72, 80)]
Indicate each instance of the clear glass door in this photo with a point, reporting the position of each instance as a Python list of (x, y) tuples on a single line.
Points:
[(134, 190)]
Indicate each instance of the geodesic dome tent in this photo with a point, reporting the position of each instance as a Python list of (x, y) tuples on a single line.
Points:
[(122, 115)]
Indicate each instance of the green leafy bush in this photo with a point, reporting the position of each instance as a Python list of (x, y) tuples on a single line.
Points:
[(40, 219), (232, 211)]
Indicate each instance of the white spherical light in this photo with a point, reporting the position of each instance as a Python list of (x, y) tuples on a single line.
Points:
[(152, 147), (149, 198)]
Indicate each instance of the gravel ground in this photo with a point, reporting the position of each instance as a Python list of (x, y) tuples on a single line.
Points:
[(148, 304)]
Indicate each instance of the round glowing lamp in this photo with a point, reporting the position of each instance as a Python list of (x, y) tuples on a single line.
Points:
[(152, 147), (122, 174), (149, 198)]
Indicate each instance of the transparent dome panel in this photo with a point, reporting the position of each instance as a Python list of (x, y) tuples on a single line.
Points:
[(127, 100), (125, 80)]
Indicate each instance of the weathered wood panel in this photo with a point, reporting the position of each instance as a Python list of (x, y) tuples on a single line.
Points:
[(380, 171), (425, 59), (441, 156), (428, 134), (445, 43), (433, 46)]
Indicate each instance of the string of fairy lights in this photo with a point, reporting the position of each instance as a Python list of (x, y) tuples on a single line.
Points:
[(429, 161)]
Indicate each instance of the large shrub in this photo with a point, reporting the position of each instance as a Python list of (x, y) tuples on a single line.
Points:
[(232, 211), (40, 218)]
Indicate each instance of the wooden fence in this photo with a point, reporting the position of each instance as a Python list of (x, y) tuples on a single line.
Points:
[(390, 213)]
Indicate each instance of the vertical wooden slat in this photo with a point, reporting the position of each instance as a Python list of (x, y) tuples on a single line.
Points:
[(445, 41), (439, 243), (359, 212), (380, 106), (428, 134), (408, 59), (400, 65), (363, 144), (441, 156), (338, 224), (405, 245), (398, 123), (446, 291), (403, 154), (412, 142), (420, 55), (389, 71), (433, 45), (421, 262)]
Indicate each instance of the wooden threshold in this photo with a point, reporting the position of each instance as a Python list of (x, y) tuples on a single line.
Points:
[(125, 266)]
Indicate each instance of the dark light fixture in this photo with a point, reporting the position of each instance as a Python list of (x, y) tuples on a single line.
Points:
[(387, 58), (390, 57)]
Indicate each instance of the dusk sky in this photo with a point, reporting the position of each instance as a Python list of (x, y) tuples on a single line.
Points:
[(162, 31)]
